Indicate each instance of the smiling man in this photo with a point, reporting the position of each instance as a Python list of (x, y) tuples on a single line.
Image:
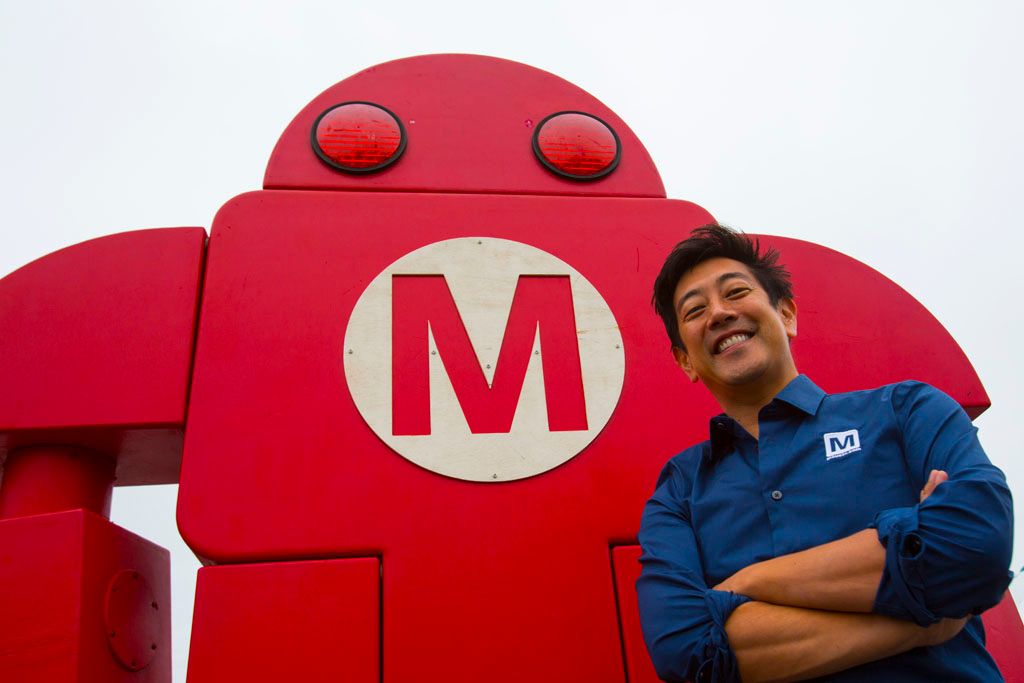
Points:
[(838, 537)]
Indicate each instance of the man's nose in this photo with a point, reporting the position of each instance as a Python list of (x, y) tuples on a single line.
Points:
[(719, 312)]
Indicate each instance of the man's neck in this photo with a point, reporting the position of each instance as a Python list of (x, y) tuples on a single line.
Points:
[(744, 404)]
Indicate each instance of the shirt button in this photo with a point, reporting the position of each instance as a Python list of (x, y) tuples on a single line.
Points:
[(776, 495)]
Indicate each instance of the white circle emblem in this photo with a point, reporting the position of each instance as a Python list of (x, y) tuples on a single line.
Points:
[(483, 359)]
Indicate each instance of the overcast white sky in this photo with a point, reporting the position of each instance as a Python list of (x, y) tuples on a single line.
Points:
[(887, 130)]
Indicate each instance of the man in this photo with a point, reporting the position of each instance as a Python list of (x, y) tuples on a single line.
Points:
[(849, 537)]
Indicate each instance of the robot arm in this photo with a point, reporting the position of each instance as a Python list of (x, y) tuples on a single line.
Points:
[(95, 359)]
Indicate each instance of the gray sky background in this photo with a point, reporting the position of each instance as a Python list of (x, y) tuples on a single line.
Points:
[(890, 131)]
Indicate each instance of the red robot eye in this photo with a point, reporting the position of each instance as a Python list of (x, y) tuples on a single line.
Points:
[(577, 145), (358, 137)]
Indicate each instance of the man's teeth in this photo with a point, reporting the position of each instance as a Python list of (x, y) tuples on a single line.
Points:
[(729, 341)]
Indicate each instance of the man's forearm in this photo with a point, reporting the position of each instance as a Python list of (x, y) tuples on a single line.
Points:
[(780, 643), (840, 576)]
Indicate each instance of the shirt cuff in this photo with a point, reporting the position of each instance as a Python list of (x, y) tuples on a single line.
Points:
[(901, 590), (718, 663)]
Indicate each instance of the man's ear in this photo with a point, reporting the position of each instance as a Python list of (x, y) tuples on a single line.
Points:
[(683, 361), (787, 309)]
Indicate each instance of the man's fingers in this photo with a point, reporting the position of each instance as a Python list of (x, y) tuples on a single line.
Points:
[(935, 477), (929, 485)]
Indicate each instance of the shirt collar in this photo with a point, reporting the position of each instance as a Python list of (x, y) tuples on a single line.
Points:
[(801, 393)]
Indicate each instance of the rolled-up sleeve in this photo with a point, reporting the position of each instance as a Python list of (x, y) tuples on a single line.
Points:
[(683, 620), (947, 556)]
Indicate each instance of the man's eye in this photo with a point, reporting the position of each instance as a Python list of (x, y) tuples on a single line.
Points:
[(693, 312), (737, 292)]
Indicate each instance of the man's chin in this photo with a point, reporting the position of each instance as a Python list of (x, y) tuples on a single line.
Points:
[(744, 379)]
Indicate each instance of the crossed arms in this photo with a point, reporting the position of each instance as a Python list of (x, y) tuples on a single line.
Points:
[(906, 583), (811, 613)]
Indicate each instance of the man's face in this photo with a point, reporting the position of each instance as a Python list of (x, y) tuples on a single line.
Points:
[(733, 336)]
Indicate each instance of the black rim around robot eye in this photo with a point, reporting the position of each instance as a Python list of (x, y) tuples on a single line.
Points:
[(358, 171)]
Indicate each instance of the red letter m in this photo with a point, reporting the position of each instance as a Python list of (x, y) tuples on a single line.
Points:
[(422, 302)]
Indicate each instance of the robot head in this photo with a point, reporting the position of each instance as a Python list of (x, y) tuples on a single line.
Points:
[(438, 123)]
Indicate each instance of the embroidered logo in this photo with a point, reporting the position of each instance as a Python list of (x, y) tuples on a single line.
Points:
[(838, 444)]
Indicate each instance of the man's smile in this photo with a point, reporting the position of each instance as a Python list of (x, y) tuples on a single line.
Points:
[(731, 340)]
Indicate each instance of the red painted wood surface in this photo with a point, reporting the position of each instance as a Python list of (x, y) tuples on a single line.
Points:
[(42, 479), (506, 581), (626, 564), (55, 571), (287, 621), (1004, 638), (96, 349), (470, 122), (540, 305), (444, 579)]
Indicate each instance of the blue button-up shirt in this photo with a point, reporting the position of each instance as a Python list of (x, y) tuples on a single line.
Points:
[(825, 467)]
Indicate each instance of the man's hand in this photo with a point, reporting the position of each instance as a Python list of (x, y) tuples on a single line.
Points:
[(935, 477), (941, 631), (809, 618)]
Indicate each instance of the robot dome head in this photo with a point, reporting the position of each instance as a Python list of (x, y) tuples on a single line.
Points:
[(461, 123)]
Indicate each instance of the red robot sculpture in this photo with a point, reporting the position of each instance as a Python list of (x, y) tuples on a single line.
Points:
[(414, 391)]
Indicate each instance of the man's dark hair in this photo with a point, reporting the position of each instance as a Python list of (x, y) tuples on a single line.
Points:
[(716, 241)]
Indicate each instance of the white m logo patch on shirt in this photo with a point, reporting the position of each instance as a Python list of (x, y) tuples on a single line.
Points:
[(838, 444)]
